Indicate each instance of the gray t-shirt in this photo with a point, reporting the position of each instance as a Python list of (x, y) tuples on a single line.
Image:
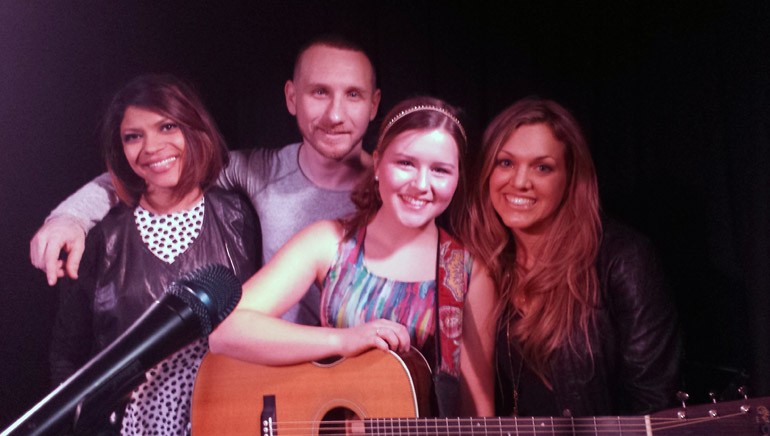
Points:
[(285, 200)]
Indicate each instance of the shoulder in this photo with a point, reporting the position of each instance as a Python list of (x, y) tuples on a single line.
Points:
[(218, 196), (628, 266), (325, 230), (116, 219), (621, 242), (229, 205), (317, 242), (258, 155), (112, 231), (264, 161)]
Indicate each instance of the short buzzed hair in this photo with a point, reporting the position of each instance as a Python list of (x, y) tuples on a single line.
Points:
[(333, 41)]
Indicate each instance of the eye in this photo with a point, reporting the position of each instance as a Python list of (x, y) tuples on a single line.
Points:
[(404, 163), (442, 170), (320, 92), (354, 94), (504, 163), (544, 168), (130, 137), (168, 126)]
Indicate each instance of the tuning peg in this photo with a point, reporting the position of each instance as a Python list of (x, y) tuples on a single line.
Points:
[(744, 391), (682, 397), (713, 412)]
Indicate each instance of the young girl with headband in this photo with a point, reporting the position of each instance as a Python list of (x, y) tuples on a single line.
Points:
[(378, 271)]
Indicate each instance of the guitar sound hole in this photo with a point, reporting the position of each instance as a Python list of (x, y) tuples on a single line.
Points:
[(339, 421)]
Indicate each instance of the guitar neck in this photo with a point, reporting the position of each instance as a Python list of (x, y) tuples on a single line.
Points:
[(513, 426)]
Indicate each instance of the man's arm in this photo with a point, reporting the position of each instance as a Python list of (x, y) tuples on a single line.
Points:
[(67, 225), (66, 228)]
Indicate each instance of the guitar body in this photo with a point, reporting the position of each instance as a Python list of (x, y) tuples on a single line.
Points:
[(229, 395)]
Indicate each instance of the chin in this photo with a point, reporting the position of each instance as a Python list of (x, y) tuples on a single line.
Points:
[(518, 225), (334, 150), (416, 223)]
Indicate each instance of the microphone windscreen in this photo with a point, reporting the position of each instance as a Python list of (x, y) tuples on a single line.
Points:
[(212, 292)]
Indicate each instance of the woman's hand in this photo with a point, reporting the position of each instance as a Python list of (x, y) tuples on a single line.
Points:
[(382, 334)]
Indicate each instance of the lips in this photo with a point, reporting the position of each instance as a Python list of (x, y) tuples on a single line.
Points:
[(332, 131)]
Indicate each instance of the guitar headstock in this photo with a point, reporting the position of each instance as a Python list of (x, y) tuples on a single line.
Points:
[(749, 416)]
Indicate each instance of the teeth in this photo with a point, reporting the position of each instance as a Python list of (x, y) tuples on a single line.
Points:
[(520, 201), (162, 163), (414, 202)]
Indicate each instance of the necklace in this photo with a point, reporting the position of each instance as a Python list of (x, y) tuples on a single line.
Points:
[(514, 379)]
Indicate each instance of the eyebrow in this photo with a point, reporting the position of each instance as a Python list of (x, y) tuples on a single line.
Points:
[(362, 90), (536, 158), (164, 120)]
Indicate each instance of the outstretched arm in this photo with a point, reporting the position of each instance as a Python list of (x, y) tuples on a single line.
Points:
[(253, 332), (477, 349), (66, 228), (67, 225)]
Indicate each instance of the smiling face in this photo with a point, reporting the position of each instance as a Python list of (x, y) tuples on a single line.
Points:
[(529, 179), (418, 174), (334, 98), (154, 146)]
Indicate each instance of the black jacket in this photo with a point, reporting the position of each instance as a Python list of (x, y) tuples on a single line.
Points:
[(119, 277), (635, 349)]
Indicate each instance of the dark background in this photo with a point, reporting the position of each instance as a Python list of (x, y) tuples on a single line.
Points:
[(674, 97)]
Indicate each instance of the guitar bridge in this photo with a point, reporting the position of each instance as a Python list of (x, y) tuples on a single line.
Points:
[(267, 418)]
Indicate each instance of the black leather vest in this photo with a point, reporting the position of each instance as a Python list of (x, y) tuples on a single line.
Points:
[(120, 277)]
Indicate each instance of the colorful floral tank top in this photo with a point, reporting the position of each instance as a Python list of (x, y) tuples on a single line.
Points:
[(351, 295)]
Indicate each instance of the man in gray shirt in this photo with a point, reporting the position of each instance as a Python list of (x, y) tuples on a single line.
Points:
[(333, 95)]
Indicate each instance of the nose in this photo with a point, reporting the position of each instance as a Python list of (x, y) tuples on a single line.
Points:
[(520, 179), (152, 143), (422, 179), (334, 110)]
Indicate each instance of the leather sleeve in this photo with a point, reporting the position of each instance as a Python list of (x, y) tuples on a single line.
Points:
[(247, 236), (72, 340), (646, 321)]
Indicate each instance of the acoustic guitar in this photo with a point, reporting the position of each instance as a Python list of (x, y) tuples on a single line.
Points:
[(383, 393)]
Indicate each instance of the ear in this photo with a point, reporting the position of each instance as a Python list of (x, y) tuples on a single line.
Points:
[(376, 96), (290, 93)]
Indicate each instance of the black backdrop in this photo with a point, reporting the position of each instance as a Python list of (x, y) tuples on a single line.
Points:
[(674, 96)]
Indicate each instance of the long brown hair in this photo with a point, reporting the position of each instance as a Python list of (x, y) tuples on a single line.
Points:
[(562, 287), (401, 118), (205, 151)]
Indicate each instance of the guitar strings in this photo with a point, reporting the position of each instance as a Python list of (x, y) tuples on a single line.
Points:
[(462, 426)]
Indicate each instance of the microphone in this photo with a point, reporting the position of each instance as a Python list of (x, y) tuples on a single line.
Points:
[(191, 307)]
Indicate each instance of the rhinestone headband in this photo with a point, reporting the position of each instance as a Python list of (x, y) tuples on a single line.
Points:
[(424, 107)]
